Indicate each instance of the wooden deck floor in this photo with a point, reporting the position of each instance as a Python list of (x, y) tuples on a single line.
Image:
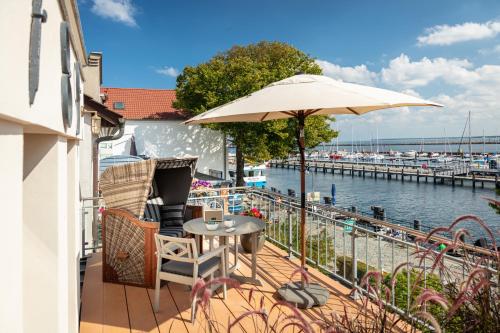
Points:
[(110, 307)]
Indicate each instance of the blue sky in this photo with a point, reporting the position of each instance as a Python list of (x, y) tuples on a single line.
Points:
[(447, 51)]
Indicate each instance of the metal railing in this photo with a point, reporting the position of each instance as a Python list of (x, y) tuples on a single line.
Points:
[(335, 243), (90, 225)]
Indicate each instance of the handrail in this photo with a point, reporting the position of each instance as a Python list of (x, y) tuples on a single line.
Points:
[(383, 223)]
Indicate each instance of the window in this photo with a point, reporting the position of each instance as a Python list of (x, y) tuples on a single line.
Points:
[(118, 105)]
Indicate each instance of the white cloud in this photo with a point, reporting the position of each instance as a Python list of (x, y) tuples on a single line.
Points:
[(463, 87), (117, 10), (402, 72), (411, 92), (493, 50), (447, 35), (357, 74), (168, 71)]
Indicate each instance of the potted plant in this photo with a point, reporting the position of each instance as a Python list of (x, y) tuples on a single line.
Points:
[(201, 187), (246, 240)]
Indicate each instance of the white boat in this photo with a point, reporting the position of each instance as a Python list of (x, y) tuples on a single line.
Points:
[(324, 155), (445, 159), (394, 153), (376, 157), (434, 155), (314, 155), (351, 156), (253, 175), (411, 153)]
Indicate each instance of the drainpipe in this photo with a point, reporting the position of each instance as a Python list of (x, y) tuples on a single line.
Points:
[(95, 167)]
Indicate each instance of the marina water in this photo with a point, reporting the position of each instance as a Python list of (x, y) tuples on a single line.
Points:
[(433, 204)]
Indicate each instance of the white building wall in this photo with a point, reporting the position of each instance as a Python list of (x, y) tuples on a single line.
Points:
[(39, 177), (11, 206), (15, 23), (162, 138)]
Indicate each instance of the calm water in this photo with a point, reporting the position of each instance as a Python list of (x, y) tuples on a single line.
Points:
[(434, 205)]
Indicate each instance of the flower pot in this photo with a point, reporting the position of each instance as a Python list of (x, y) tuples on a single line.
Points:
[(246, 242)]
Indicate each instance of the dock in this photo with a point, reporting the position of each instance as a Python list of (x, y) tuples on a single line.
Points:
[(454, 175)]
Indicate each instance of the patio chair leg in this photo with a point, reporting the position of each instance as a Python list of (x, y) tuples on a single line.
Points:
[(193, 310), (224, 274), (157, 295)]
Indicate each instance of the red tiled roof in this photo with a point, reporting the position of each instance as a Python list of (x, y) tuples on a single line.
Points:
[(143, 103)]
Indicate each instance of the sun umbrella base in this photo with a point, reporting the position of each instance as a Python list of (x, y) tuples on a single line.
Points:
[(305, 297)]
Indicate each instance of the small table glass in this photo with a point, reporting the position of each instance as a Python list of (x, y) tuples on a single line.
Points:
[(242, 225)]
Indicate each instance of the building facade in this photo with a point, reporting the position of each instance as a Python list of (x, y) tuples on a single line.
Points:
[(154, 128), (41, 131)]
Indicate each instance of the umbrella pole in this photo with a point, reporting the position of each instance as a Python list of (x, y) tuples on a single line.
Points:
[(301, 142), (298, 293)]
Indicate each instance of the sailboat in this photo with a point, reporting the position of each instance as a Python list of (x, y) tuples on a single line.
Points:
[(410, 153)]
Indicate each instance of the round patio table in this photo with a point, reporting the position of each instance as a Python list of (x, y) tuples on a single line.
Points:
[(242, 225)]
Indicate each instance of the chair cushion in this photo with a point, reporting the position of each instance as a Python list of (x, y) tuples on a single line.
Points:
[(173, 231), (172, 215), (186, 268), (153, 209)]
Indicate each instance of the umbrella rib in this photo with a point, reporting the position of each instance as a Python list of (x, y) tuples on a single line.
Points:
[(290, 113), (264, 117), (310, 112), (353, 111)]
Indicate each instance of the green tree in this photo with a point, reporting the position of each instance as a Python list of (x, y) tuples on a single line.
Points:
[(238, 72)]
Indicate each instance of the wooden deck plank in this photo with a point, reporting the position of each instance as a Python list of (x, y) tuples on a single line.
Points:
[(266, 291), (115, 318), (168, 318), (339, 294), (181, 296), (140, 311), (92, 302), (116, 308)]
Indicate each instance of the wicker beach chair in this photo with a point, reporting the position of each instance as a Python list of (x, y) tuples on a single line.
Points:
[(142, 199)]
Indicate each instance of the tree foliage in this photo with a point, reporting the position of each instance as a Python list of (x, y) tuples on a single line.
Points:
[(238, 72)]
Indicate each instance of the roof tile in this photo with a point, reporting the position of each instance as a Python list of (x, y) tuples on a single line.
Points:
[(144, 103)]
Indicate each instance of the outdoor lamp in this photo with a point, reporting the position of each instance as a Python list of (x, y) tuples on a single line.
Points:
[(96, 124)]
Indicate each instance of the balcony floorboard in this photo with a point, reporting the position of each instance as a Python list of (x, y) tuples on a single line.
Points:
[(110, 307)]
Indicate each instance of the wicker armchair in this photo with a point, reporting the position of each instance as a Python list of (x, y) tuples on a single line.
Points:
[(128, 240)]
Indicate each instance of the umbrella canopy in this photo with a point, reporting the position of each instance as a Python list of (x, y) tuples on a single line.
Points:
[(318, 94), (301, 96)]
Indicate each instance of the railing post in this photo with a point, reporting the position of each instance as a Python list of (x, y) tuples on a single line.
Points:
[(290, 232), (83, 229), (355, 295)]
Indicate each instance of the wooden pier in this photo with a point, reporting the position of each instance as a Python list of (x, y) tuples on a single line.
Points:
[(455, 176)]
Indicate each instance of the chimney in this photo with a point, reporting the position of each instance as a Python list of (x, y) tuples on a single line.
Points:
[(93, 76)]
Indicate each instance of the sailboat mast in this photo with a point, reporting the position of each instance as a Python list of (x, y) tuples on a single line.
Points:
[(445, 141), (484, 143), (352, 139), (470, 142), (337, 138)]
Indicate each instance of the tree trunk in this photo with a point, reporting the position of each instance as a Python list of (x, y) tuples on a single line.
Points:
[(240, 165)]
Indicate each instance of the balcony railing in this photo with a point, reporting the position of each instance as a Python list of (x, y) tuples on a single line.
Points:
[(340, 243)]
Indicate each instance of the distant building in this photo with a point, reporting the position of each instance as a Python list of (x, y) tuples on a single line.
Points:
[(153, 127)]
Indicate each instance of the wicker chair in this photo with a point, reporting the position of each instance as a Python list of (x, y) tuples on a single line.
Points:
[(128, 238)]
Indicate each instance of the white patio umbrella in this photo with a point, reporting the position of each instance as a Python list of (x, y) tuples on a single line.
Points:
[(301, 96)]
